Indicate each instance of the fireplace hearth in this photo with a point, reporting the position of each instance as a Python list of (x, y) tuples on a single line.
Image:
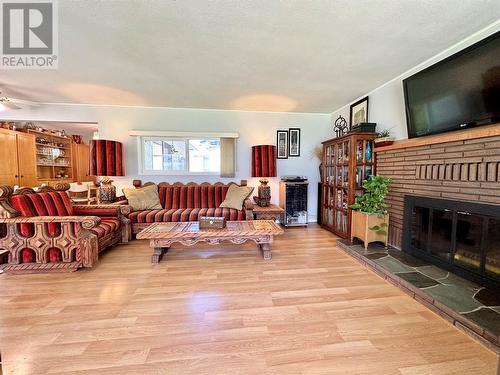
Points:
[(462, 237)]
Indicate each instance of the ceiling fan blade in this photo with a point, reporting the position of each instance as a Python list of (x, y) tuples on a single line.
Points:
[(16, 91), (10, 105), (21, 101)]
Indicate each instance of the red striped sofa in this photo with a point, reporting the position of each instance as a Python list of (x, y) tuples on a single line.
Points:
[(188, 202), (43, 231)]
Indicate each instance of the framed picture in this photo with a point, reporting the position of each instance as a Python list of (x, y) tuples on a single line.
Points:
[(294, 142), (282, 144), (359, 111)]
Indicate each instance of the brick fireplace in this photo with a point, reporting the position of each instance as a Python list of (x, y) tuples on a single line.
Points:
[(460, 166)]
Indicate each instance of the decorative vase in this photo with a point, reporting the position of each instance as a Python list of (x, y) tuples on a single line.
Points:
[(264, 194), (107, 192), (368, 151)]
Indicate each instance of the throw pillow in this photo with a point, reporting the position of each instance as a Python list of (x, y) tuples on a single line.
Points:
[(235, 196), (145, 198)]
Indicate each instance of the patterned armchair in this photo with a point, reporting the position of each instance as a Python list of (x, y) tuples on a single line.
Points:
[(43, 231)]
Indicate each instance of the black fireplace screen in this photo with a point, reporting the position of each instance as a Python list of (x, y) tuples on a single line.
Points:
[(463, 237)]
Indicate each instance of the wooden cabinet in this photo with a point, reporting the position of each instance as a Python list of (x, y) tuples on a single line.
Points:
[(8, 157), (54, 161), (26, 159), (81, 165), (17, 155), (347, 162), (31, 158)]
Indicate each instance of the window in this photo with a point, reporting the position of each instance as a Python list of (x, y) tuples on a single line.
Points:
[(204, 155), (181, 153), (169, 155), (164, 155)]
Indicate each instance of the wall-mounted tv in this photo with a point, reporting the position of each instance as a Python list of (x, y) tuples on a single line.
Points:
[(461, 91)]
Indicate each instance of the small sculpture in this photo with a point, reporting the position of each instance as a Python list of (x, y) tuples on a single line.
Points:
[(340, 126)]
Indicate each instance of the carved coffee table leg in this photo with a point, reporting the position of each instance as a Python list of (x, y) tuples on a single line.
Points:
[(266, 253), (158, 254)]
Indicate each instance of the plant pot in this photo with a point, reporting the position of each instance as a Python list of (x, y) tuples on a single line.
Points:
[(384, 141), (361, 224)]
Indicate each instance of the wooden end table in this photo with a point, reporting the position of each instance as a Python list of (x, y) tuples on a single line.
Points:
[(271, 212), (163, 235)]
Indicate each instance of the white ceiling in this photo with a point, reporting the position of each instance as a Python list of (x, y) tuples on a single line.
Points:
[(298, 56)]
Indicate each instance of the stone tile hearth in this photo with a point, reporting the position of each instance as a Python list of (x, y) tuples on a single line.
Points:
[(463, 302)]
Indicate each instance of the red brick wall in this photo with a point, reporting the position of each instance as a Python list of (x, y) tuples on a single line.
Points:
[(462, 170)]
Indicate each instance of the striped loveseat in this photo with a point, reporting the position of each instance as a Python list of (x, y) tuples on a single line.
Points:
[(43, 231), (188, 202)]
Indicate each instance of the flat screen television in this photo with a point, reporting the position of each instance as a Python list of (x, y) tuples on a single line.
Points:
[(461, 91)]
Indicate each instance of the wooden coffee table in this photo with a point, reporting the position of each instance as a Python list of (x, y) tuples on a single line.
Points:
[(163, 235)]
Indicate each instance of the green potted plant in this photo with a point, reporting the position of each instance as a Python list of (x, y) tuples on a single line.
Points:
[(370, 220), (384, 138)]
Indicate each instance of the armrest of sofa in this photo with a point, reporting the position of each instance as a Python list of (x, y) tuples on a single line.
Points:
[(83, 240), (103, 210), (109, 210), (248, 204), (121, 202), (87, 222), (248, 208)]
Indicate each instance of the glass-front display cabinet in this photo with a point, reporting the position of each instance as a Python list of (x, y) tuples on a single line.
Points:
[(347, 162), (54, 162)]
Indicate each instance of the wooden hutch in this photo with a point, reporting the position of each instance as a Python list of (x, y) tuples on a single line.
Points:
[(32, 158), (54, 158), (17, 155), (347, 162)]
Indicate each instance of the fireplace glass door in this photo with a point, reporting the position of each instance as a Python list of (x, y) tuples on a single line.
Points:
[(420, 227), (440, 239), (463, 237), (492, 266), (468, 241)]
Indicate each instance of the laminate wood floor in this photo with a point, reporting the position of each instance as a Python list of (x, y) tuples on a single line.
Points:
[(224, 310)]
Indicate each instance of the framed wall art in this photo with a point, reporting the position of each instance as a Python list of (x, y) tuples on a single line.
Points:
[(294, 142), (359, 112), (282, 144)]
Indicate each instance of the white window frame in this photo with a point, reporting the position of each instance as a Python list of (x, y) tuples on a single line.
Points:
[(143, 136)]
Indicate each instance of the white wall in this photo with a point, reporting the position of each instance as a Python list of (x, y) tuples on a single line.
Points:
[(254, 128), (386, 103)]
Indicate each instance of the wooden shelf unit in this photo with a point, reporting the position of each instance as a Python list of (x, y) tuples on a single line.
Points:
[(81, 164), (29, 161), (345, 167), (54, 159), (17, 155)]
